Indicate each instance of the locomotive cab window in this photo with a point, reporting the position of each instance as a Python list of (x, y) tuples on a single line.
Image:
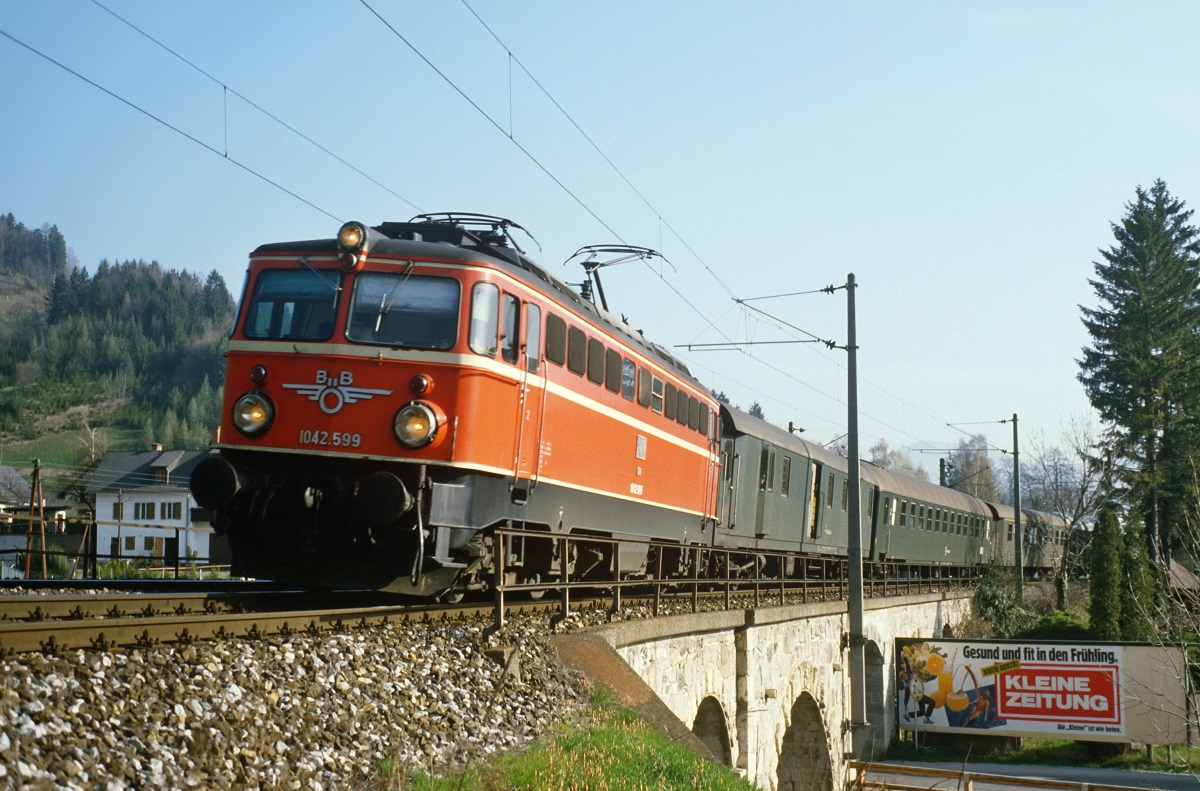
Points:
[(485, 310), (293, 304), (404, 310)]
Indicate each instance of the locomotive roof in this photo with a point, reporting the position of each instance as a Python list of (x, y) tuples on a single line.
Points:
[(450, 241)]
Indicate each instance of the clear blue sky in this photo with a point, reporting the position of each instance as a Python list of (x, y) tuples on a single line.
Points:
[(964, 160)]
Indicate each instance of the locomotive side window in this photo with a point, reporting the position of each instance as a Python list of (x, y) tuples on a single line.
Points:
[(656, 394), (533, 338), (293, 304), (644, 387), (703, 427), (510, 337), (576, 351), (595, 353), (694, 409), (404, 310), (612, 370), (556, 339), (670, 402), (485, 310), (682, 409), (628, 378)]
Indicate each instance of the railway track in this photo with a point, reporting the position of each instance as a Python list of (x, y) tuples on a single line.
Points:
[(182, 628), (53, 623)]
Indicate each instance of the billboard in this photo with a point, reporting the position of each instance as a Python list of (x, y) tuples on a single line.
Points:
[(1064, 690)]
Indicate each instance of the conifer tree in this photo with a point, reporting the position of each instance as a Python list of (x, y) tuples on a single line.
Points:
[(1142, 370), (1141, 596), (1104, 609)]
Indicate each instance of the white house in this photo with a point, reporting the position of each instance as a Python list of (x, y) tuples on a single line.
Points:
[(144, 506)]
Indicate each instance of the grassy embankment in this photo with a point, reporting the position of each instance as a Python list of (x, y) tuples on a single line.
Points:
[(611, 749)]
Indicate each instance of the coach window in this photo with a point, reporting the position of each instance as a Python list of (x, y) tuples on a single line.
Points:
[(829, 491), (595, 364), (510, 339), (556, 339), (887, 510), (669, 401), (628, 378), (533, 338), (612, 370), (786, 484), (904, 513), (485, 307), (576, 351), (845, 494)]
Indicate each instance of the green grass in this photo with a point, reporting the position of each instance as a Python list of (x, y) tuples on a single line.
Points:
[(1057, 752), (57, 450), (609, 750)]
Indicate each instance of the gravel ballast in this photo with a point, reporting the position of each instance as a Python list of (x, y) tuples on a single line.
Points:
[(329, 711)]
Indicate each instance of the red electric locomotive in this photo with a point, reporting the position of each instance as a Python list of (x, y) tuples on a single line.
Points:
[(394, 394)]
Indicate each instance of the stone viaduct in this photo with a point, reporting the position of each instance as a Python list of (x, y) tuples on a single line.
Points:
[(766, 690)]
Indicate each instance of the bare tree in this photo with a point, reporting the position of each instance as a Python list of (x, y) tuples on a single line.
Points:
[(895, 459), (1068, 480)]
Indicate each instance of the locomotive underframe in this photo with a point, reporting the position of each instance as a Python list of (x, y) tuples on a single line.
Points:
[(297, 521)]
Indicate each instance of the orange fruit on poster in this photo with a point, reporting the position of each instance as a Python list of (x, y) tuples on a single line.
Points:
[(935, 664), (939, 699), (957, 701)]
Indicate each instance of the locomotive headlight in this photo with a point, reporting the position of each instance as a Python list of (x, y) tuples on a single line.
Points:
[(415, 425), (253, 413), (352, 236)]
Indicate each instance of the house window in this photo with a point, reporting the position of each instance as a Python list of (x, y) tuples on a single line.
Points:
[(143, 511), (118, 510), (160, 474), (172, 510), (130, 543), (148, 543)]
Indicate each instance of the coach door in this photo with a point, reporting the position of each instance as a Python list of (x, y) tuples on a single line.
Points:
[(531, 400)]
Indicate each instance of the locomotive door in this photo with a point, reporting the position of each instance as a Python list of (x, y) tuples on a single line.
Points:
[(531, 400)]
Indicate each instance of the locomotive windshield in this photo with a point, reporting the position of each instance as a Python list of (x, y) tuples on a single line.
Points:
[(402, 309), (294, 304)]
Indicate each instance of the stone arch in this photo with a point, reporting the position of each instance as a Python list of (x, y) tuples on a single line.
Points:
[(804, 762), (875, 739), (711, 727)]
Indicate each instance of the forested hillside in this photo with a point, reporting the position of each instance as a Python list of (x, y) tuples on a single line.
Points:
[(134, 344)]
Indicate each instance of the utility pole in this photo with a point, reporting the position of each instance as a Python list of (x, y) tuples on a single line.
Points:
[(856, 638), (1018, 536)]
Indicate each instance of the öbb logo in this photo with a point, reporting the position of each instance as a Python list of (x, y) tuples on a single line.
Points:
[(333, 391)]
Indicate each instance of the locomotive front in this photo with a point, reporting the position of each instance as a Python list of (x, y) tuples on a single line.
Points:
[(341, 389)]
